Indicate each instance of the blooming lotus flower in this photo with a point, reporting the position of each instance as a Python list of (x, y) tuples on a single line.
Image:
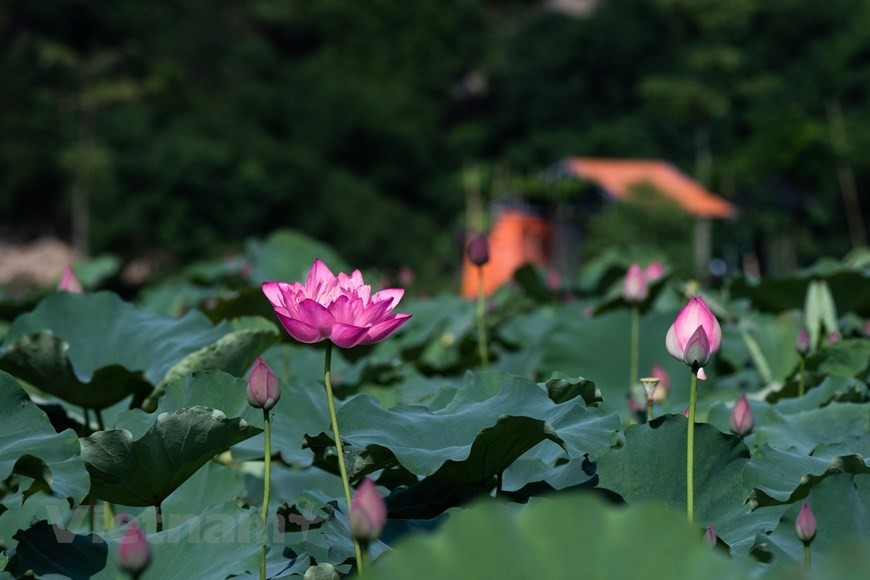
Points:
[(634, 287), (263, 392), (742, 420), (340, 308), (69, 282), (134, 554), (803, 342), (478, 250), (368, 512), (695, 335), (805, 526), (654, 271)]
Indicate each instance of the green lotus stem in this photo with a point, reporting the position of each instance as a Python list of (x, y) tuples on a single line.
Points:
[(481, 320), (86, 422), (100, 425), (690, 451), (267, 457), (649, 409), (635, 347), (801, 380), (108, 516), (807, 559), (339, 450), (158, 513)]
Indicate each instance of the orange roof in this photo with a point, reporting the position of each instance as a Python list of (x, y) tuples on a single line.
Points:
[(618, 176)]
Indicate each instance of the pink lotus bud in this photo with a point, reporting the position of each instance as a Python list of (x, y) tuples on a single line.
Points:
[(263, 392), (833, 338), (803, 342), (695, 335), (634, 406), (742, 420), (654, 271), (368, 512), (478, 250), (710, 536), (805, 526), (69, 282), (686, 412), (702, 375), (406, 276), (554, 280), (134, 554), (664, 381), (634, 288)]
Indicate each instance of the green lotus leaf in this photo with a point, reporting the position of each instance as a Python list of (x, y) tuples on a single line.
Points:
[(560, 537), (30, 447), (220, 542), (143, 469)]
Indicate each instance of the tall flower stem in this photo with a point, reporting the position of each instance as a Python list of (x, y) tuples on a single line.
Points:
[(635, 347), (807, 559), (481, 320), (690, 451), (158, 514), (801, 379), (339, 448), (267, 457)]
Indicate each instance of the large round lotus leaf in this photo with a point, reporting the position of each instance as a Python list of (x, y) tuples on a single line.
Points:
[(492, 420), (651, 466), (217, 543), (144, 470), (569, 536), (29, 446), (287, 255), (95, 349)]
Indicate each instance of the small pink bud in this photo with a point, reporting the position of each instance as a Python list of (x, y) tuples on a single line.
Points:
[(664, 382), (134, 554), (654, 271), (710, 536), (263, 391), (686, 412), (742, 420), (554, 279), (478, 250), (69, 282), (805, 526), (368, 512), (634, 288), (833, 338), (702, 375), (803, 342), (634, 406)]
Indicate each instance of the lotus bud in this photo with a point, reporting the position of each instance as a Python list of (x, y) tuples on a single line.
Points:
[(695, 334), (134, 554), (686, 412), (654, 271), (478, 249), (742, 420), (368, 512), (833, 338), (263, 391), (69, 282), (710, 536), (805, 526), (803, 343), (634, 287), (664, 382)]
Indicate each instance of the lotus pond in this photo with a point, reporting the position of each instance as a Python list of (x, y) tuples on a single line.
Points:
[(546, 464)]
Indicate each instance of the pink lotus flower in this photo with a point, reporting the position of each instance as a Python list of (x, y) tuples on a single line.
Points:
[(664, 381), (833, 338), (134, 554), (695, 335), (69, 282), (805, 526), (654, 271), (337, 308), (263, 391), (710, 536), (634, 287), (742, 420), (368, 512)]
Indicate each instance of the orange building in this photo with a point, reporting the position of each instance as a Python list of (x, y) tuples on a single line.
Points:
[(519, 236)]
